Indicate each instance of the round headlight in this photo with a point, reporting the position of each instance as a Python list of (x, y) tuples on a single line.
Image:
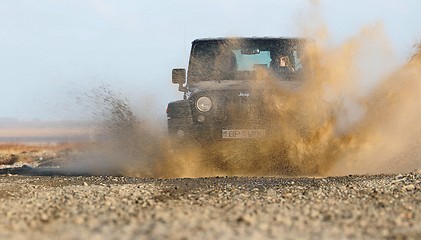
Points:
[(204, 104)]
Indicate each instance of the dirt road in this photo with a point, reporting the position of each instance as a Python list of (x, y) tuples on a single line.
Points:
[(353, 207)]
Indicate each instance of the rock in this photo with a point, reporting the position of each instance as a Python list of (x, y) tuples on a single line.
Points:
[(44, 217), (409, 187), (247, 219)]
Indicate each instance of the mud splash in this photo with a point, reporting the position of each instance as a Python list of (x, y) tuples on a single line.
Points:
[(357, 112), (348, 127), (387, 139), (123, 144)]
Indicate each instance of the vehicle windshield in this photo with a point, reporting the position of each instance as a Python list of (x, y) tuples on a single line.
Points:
[(240, 60)]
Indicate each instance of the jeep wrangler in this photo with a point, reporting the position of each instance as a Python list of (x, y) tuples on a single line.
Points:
[(222, 96)]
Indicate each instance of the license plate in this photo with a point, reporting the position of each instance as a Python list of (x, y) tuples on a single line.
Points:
[(244, 133)]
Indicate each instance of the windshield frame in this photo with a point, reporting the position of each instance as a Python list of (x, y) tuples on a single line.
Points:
[(276, 46)]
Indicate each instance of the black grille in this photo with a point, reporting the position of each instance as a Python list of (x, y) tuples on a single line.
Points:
[(243, 109)]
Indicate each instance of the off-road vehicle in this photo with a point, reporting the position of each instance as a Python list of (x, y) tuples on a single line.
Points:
[(222, 100)]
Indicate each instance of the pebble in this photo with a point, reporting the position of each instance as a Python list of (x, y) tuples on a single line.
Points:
[(409, 187)]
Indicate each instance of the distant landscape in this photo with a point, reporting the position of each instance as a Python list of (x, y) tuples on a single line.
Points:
[(18, 131)]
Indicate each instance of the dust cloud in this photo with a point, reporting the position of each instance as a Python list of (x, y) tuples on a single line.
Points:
[(351, 115), (356, 112)]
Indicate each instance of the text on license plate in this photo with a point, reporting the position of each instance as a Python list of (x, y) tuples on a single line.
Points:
[(244, 133)]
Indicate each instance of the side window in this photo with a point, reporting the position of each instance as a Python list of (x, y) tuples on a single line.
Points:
[(297, 60)]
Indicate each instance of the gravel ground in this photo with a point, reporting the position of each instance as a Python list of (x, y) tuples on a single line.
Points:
[(352, 207)]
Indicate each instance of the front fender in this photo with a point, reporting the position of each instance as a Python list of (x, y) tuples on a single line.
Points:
[(180, 119)]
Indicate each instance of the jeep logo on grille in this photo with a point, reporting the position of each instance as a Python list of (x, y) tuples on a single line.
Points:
[(244, 94)]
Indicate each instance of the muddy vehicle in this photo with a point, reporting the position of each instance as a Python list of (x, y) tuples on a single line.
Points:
[(223, 100)]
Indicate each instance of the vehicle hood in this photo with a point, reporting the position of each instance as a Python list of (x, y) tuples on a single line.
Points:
[(224, 85)]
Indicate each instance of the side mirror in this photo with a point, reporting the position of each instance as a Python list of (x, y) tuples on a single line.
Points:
[(179, 77)]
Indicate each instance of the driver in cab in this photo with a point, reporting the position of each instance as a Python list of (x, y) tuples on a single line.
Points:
[(285, 64)]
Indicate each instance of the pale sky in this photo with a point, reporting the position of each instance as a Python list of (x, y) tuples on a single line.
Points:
[(49, 48)]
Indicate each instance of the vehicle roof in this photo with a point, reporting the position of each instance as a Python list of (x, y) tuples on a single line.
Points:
[(246, 39)]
